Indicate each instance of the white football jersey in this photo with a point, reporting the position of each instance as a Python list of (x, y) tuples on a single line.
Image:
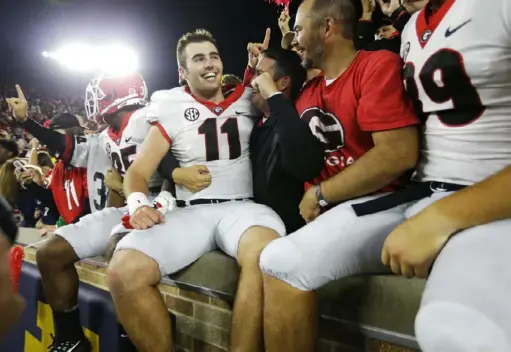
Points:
[(87, 153), (458, 70), (204, 133), (100, 152)]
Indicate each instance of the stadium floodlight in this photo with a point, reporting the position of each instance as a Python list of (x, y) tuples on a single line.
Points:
[(112, 59), (117, 60)]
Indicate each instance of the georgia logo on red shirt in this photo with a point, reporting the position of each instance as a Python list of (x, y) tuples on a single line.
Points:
[(326, 127)]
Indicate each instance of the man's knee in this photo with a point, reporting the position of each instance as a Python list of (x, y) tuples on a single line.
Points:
[(252, 243), (454, 327), (55, 253), (130, 270), (284, 261)]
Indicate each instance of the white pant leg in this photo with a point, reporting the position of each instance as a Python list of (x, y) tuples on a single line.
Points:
[(335, 245), (465, 306), (184, 237), (238, 217), (89, 236)]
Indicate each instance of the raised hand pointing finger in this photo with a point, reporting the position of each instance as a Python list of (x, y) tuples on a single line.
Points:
[(266, 41)]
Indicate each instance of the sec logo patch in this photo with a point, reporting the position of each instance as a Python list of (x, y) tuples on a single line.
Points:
[(192, 114)]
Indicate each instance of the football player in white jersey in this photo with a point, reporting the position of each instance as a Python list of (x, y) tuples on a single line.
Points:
[(201, 126), (118, 102), (453, 225)]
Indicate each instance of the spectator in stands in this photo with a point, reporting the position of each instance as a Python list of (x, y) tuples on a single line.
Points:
[(358, 110), (4, 135), (9, 187), (22, 147), (8, 150), (45, 162), (18, 187), (381, 33), (284, 152)]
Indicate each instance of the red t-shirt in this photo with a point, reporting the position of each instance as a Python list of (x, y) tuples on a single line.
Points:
[(69, 188), (368, 97)]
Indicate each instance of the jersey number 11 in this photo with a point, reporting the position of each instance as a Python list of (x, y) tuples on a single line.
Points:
[(210, 132)]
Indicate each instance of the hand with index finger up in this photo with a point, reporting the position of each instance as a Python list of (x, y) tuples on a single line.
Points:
[(255, 49), (18, 106)]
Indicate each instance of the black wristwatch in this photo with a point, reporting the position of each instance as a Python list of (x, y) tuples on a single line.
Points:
[(319, 195)]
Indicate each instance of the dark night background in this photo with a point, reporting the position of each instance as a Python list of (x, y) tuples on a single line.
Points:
[(151, 27)]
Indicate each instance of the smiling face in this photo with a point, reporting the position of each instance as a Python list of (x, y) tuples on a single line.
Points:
[(203, 68), (307, 42)]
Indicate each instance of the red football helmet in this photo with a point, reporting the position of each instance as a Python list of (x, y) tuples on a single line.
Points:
[(107, 94)]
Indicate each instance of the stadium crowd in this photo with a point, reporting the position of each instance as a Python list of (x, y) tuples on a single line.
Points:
[(318, 188)]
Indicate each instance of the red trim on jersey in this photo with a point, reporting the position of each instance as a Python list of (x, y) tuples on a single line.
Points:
[(427, 21), (116, 136), (162, 131), (219, 108), (68, 152)]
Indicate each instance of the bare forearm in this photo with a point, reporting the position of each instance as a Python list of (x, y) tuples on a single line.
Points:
[(484, 202), (374, 170), (33, 157), (135, 182)]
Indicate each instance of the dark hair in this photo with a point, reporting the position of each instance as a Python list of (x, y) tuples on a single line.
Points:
[(10, 146), (44, 159), (197, 36), (288, 63), (64, 121), (346, 12), (230, 80)]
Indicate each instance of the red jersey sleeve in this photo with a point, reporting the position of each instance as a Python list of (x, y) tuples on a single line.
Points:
[(383, 104), (247, 76)]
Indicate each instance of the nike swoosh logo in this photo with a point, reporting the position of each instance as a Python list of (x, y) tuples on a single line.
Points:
[(127, 139), (241, 113), (449, 31), (74, 347)]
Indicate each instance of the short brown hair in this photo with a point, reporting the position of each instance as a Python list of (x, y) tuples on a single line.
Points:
[(230, 80), (197, 36), (346, 12)]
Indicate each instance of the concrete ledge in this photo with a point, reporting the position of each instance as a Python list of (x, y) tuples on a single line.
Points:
[(367, 313)]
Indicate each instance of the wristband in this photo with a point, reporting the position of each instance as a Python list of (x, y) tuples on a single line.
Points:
[(321, 200), (136, 200)]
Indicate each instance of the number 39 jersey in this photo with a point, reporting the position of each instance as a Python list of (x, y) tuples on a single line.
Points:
[(204, 133), (458, 71)]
